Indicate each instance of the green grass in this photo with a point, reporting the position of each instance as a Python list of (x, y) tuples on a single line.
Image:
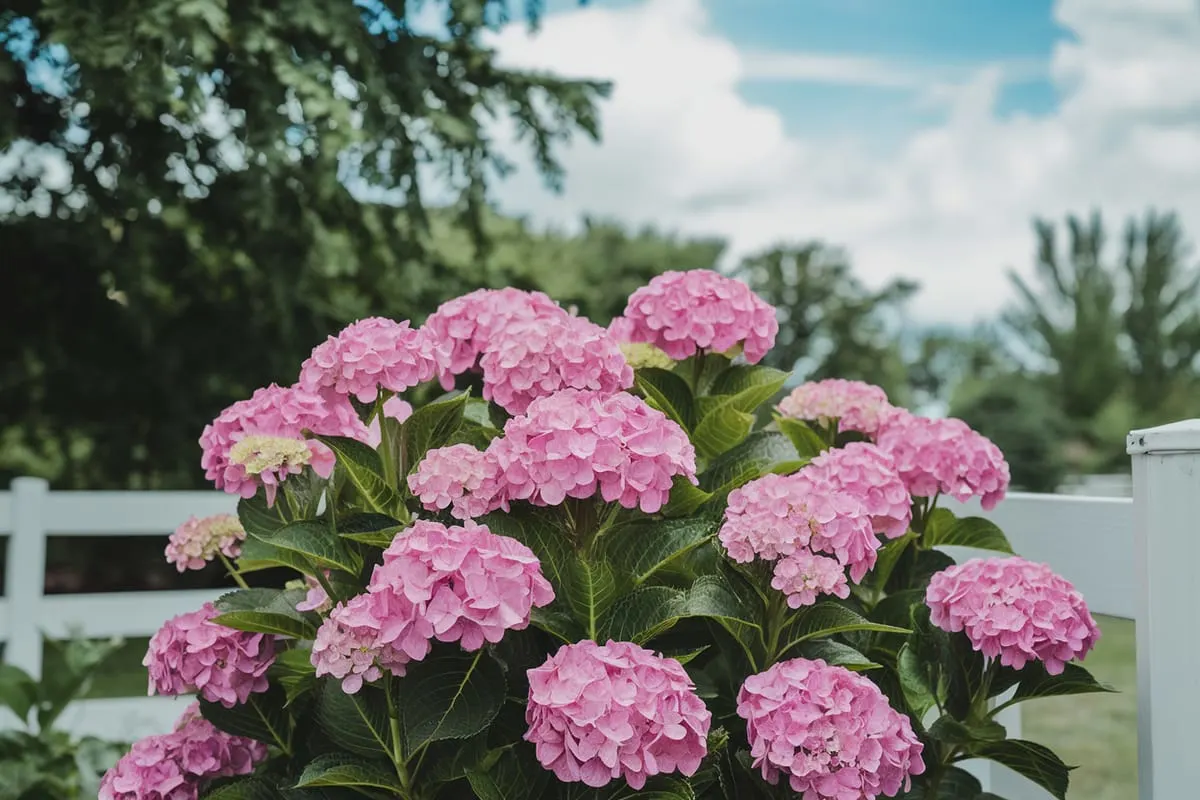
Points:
[(1097, 732)]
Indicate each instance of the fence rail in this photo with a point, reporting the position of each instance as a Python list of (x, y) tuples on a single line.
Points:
[(1131, 558)]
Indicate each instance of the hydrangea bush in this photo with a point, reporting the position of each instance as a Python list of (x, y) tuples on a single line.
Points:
[(603, 563)]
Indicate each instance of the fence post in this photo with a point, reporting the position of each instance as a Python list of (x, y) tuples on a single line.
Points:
[(1166, 508), (24, 578)]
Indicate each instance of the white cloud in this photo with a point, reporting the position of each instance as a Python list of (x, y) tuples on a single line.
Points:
[(950, 206)]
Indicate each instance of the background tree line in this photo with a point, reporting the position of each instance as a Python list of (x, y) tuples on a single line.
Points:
[(193, 194)]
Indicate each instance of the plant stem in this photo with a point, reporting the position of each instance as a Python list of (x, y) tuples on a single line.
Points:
[(233, 573), (777, 614), (397, 754), (386, 445)]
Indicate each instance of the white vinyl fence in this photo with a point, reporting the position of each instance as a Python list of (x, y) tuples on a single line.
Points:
[(1135, 559)]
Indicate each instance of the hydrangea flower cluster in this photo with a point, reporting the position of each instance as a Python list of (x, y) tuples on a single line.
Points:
[(601, 712), (535, 357), (453, 584), (197, 541), (830, 731), (571, 444), (466, 326), (684, 312), (273, 411), (834, 506), (453, 477), (191, 653), (174, 766), (1014, 610), (854, 405), (944, 456), (369, 355)]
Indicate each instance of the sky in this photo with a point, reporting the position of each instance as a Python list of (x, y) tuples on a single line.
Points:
[(921, 135)]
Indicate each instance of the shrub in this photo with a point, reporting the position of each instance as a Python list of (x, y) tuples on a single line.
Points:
[(37, 760), (601, 577)]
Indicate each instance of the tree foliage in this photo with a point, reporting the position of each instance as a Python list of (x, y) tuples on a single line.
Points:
[(184, 205)]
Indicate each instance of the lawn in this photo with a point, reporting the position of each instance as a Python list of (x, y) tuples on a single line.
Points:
[(1097, 732)]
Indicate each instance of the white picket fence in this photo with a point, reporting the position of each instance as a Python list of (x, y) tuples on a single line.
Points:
[(1135, 559)]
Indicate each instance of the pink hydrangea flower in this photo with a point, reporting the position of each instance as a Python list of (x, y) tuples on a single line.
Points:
[(683, 312), (175, 765), (535, 357), (368, 634), (452, 584), (574, 442), (453, 477), (804, 575), (368, 355), (621, 329), (471, 584), (856, 406), (1014, 610), (197, 541), (466, 326), (767, 518), (315, 598), (830, 731), (191, 653), (868, 473), (274, 417), (601, 712), (944, 456)]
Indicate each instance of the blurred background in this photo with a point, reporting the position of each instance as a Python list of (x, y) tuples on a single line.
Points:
[(982, 207)]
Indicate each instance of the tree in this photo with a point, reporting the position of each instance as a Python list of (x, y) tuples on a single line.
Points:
[(1162, 319), (831, 326), (1070, 318), (185, 201)]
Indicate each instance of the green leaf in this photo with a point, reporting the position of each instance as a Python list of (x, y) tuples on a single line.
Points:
[(836, 654), (685, 498), (667, 392), (1037, 763), (515, 775), (914, 682), (763, 452), (558, 622), (314, 541), (808, 443), (376, 530), (748, 386), (949, 730), (727, 417), (363, 466), (639, 549), (18, 691), (293, 670), (945, 530), (340, 769), (451, 694), (429, 427), (356, 722), (261, 717), (641, 615), (1036, 682), (257, 518), (549, 542), (826, 619), (590, 589), (886, 559), (270, 611), (250, 788), (258, 555)]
